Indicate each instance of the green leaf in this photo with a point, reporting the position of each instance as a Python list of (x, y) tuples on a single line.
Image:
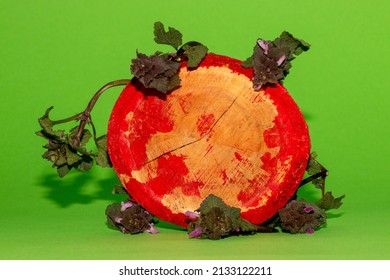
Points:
[(85, 137), (195, 54), (172, 37), (210, 202), (45, 122), (330, 202), (319, 183), (313, 168), (296, 46), (63, 170), (218, 220), (71, 157), (213, 201), (56, 156), (102, 157), (47, 127), (85, 164), (246, 226)]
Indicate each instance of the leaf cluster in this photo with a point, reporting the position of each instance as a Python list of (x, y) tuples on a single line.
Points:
[(161, 71), (65, 152), (157, 71), (271, 60), (319, 174), (218, 220), (129, 217), (300, 216)]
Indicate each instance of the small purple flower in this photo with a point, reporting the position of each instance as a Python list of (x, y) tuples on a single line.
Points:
[(257, 87), (196, 232), (281, 60), (152, 229), (310, 231), (76, 142), (308, 209), (126, 205), (123, 229), (192, 215), (264, 45)]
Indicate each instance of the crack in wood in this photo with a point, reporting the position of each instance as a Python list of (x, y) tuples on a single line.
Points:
[(197, 140)]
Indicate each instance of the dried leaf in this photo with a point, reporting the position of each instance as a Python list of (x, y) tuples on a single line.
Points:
[(119, 189), (102, 158), (330, 202), (45, 122), (300, 216), (171, 37), (47, 126), (248, 63), (313, 166), (84, 164), (295, 46), (85, 137), (71, 157), (271, 59), (316, 168), (217, 220), (195, 54), (63, 170), (130, 217), (157, 71)]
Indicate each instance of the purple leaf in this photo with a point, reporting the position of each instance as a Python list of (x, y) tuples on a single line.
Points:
[(152, 229), (310, 231), (192, 215), (126, 205), (264, 45), (308, 209), (281, 60), (196, 232)]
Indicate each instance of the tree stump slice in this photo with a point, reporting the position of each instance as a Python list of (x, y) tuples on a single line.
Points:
[(212, 135)]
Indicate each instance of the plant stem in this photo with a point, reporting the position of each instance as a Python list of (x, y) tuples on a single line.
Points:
[(84, 116), (313, 177), (72, 118), (322, 174), (262, 228)]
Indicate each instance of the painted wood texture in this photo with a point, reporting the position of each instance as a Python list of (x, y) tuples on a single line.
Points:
[(213, 135)]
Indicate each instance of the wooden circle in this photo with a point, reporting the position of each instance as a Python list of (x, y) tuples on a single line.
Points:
[(213, 135)]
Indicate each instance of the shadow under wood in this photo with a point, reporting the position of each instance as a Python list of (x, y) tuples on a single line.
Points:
[(78, 188)]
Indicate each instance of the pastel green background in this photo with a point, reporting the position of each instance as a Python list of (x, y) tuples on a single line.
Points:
[(60, 52)]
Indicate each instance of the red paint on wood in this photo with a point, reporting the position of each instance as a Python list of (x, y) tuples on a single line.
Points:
[(204, 124), (238, 156)]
